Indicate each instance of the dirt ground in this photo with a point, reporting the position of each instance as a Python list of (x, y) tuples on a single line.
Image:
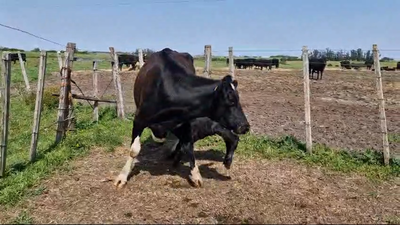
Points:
[(262, 191), (344, 114)]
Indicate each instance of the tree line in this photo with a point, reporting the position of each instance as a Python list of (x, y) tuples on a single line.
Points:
[(329, 54)]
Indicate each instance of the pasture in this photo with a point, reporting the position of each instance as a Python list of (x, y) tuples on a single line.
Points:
[(272, 179)]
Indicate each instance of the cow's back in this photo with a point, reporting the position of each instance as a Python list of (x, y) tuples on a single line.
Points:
[(158, 65)]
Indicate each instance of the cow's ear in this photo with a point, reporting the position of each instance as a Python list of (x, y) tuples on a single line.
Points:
[(227, 78), (235, 83)]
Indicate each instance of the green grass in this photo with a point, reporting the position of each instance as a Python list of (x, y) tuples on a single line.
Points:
[(367, 163), (32, 65), (21, 175)]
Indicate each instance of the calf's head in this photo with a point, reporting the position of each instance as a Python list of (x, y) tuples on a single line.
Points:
[(227, 109)]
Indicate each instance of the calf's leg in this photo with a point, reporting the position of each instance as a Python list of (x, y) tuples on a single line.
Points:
[(137, 130), (184, 134), (158, 133)]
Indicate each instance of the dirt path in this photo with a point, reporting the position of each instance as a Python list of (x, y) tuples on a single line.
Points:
[(262, 191)]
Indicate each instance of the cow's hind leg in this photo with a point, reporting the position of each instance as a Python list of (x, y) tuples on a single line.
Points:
[(122, 178)]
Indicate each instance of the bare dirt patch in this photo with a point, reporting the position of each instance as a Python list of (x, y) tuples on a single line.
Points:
[(259, 192)]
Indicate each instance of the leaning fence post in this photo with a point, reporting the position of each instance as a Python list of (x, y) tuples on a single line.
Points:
[(117, 83), (231, 66), (65, 91), (21, 62), (307, 109), (95, 93), (6, 82), (207, 58), (38, 105), (381, 99)]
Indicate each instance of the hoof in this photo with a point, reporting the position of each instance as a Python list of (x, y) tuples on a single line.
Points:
[(227, 173), (196, 182), (227, 166), (120, 181)]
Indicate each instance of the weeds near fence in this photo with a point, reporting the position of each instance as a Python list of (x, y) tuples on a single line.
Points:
[(22, 175), (368, 163)]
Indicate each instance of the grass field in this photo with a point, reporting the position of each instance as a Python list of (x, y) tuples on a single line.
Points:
[(23, 178)]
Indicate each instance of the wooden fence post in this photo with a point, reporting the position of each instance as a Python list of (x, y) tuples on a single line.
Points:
[(60, 64), (307, 109), (6, 82), (65, 91), (207, 58), (117, 84), (141, 61), (381, 99), (95, 92), (231, 65), (38, 105), (21, 62)]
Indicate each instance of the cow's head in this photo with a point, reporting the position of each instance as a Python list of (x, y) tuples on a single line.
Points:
[(228, 110)]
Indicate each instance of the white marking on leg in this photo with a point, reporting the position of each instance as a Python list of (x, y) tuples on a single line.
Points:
[(233, 86), (195, 176), (135, 147), (156, 139), (130, 163)]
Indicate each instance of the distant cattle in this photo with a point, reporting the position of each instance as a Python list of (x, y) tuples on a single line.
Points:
[(14, 57), (398, 66), (167, 94), (256, 63), (369, 64), (345, 64), (316, 65)]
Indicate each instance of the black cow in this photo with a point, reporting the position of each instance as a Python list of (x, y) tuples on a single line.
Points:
[(128, 60), (316, 65), (14, 57), (275, 62), (244, 63), (369, 64), (260, 63), (398, 66), (345, 64), (166, 95)]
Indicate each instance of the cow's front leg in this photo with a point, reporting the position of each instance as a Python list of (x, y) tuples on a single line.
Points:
[(184, 133), (122, 178)]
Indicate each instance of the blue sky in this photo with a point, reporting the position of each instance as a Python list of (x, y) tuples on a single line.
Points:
[(265, 27)]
